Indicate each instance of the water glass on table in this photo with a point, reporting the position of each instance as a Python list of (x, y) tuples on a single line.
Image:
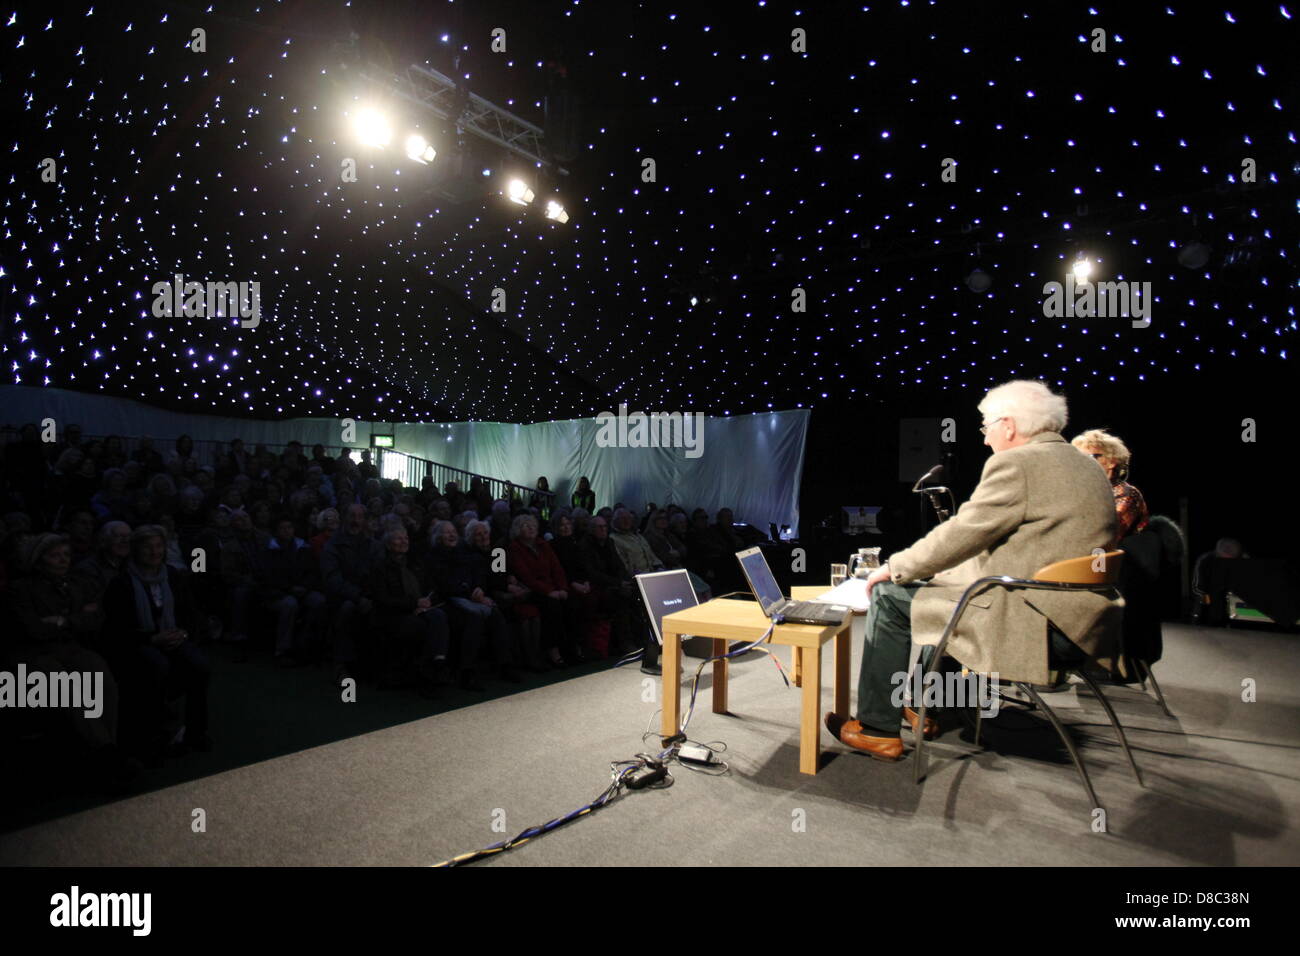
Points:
[(838, 573)]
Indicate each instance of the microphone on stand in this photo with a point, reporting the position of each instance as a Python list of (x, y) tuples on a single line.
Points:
[(934, 474), (937, 472)]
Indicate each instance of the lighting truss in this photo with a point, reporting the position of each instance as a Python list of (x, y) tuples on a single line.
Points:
[(439, 94)]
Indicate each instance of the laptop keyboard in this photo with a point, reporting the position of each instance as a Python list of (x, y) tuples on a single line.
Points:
[(810, 609)]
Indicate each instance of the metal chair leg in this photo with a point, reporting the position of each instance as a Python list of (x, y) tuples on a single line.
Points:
[(917, 774), (1155, 685), (1065, 739), (1114, 722)]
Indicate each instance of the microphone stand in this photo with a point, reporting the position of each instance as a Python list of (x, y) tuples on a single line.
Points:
[(936, 502)]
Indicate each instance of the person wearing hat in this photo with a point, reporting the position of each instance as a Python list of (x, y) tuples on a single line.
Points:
[(55, 615)]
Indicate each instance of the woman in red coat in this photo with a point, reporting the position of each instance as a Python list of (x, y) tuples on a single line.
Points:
[(534, 562)]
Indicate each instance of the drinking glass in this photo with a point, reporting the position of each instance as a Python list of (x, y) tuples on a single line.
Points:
[(838, 573)]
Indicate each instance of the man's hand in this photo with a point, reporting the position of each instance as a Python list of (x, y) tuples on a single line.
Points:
[(169, 637), (423, 604), (880, 574)]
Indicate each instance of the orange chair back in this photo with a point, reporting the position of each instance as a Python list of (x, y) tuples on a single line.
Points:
[(1091, 569)]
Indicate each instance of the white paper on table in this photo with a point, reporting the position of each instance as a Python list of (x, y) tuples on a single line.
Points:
[(852, 592)]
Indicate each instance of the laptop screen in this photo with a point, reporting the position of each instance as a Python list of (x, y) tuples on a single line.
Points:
[(761, 579), (665, 592)]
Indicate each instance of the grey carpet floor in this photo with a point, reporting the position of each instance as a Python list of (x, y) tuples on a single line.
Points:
[(1223, 784)]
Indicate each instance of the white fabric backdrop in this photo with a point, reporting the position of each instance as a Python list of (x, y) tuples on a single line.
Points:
[(752, 464)]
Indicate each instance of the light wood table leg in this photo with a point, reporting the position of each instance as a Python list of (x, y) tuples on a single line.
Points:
[(810, 722), (720, 677), (843, 655), (672, 684), (796, 665)]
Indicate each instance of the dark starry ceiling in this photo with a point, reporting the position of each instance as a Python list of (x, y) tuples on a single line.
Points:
[(775, 170)]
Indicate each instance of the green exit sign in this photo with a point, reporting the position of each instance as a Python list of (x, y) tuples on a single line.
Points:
[(381, 441)]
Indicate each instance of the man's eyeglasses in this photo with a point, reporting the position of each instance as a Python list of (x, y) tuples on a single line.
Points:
[(984, 429)]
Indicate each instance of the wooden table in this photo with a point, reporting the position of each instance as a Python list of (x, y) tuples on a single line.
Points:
[(725, 621)]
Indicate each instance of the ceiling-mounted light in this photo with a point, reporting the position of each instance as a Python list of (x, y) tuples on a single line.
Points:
[(517, 191), (1082, 269), (372, 128), (554, 210), (979, 280), (418, 149), (1194, 255)]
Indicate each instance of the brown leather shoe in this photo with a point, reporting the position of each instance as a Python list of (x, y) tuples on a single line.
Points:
[(849, 733), (913, 718)]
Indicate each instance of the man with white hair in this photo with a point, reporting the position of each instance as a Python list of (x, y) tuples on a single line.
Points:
[(1038, 501)]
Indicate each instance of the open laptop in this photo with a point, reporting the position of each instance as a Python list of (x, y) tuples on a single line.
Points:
[(763, 583), (665, 592)]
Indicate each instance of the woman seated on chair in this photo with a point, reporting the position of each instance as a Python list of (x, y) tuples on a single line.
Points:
[(1113, 456)]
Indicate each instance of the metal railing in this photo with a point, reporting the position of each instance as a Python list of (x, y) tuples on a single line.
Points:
[(410, 470)]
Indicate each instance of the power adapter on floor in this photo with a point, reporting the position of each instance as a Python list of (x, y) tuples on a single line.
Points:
[(696, 753), (652, 773)]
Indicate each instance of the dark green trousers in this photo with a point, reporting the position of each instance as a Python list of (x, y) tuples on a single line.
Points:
[(885, 654)]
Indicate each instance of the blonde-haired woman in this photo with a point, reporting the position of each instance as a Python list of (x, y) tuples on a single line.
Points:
[(1113, 456)]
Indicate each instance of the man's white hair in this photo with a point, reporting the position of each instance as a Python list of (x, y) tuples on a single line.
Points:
[(1031, 405)]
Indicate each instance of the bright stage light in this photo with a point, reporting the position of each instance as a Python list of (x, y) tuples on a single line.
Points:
[(418, 148), (1082, 269), (518, 192), (556, 211), (372, 128)]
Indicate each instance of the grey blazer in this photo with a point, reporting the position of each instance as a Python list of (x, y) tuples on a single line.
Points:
[(1039, 503)]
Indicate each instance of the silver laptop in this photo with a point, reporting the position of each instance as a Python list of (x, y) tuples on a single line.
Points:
[(763, 583)]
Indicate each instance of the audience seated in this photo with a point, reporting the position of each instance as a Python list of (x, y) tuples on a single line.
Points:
[(616, 593), (56, 616), (534, 563), (412, 627), (460, 574), (150, 626), (290, 588), (310, 555)]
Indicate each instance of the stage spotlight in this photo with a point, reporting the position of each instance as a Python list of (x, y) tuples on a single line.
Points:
[(1194, 255), (556, 211), (373, 129), (1082, 270), (418, 148), (518, 192), (979, 281)]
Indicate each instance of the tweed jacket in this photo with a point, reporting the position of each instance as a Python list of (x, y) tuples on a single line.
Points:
[(1035, 504)]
